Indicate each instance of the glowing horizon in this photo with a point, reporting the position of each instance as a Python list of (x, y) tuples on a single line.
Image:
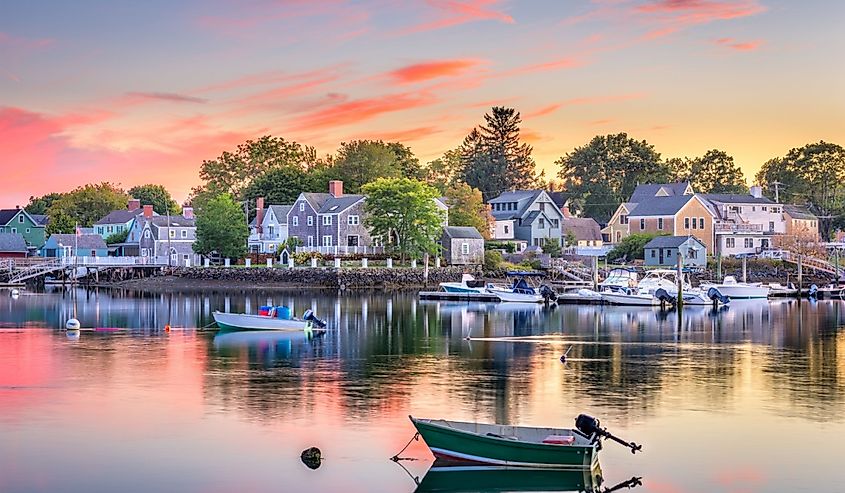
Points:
[(137, 94)]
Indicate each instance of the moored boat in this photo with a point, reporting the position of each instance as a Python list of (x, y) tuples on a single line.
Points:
[(244, 321), (520, 291), (468, 284), (630, 298), (443, 476), (734, 289), (516, 446)]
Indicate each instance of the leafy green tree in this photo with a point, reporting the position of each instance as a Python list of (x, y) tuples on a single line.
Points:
[(467, 208), (444, 171), (404, 210), (552, 247), (40, 205), (492, 157), (409, 164), (814, 175), (362, 161), (604, 172), (119, 237), (632, 247), (280, 185), (714, 172), (222, 228), (86, 205), (157, 196), (570, 239), (232, 172), (60, 223)]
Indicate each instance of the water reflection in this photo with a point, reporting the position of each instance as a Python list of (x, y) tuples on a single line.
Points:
[(471, 479)]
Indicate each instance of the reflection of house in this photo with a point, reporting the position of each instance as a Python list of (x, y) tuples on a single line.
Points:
[(463, 245), (527, 215), (169, 237), (617, 227), (799, 221), (31, 228), (69, 245), (268, 231), (118, 221), (663, 251), (12, 245)]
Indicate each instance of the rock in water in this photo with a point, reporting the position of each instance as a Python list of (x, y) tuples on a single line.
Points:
[(311, 457)]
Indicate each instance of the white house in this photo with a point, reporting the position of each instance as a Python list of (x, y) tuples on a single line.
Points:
[(268, 231), (745, 223)]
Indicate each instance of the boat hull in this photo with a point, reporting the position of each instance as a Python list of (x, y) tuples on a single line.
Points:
[(240, 321), (630, 299), (452, 478), (454, 445), (735, 292), (511, 297)]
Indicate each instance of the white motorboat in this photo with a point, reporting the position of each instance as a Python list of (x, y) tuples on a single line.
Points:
[(663, 278), (701, 297), (631, 297), (520, 291), (734, 289), (468, 284), (245, 321)]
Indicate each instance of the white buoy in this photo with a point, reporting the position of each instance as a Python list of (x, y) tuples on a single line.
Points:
[(72, 324), (15, 294)]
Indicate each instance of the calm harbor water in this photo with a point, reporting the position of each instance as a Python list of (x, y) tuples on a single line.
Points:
[(744, 399)]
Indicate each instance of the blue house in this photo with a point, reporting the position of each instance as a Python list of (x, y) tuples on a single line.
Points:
[(663, 251), (68, 245), (530, 217)]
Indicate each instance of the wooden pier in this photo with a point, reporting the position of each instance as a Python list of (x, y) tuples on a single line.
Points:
[(447, 296)]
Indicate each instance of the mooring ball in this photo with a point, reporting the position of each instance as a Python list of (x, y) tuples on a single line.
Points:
[(72, 324), (311, 457)]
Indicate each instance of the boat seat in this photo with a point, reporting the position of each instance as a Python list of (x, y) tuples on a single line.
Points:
[(559, 439)]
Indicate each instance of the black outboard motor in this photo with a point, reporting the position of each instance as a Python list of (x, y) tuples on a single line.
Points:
[(814, 291), (309, 316), (591, 426), (548, 293), (716, 295), (664, 296)]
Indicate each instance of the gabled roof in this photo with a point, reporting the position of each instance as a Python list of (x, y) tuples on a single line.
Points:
[(671, 241), (531, 217), (523, 199), (463, 232), (172, 221), (660, 206), (799, 212), (12, 242), (650, 190), (41, 219), (326, 203), (7, 215), (87, 242), (281, 212), (559, 198), (120, 216), (733, 198), (584, 228)]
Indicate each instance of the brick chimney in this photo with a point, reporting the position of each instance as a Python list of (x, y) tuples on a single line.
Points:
[(187, 212), (133, 204), (259, 214), (336, 188), (565, 212), (148, 211)]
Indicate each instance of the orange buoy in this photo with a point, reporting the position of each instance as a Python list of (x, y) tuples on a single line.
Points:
[(167, 328)]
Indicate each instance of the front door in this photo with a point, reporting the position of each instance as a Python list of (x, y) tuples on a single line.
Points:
[(660, 250)]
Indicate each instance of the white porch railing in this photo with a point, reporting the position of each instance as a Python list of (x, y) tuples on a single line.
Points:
[(112, 261), (738, 228), (342, 250)]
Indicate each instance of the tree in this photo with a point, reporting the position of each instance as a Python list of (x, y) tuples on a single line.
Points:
[(604, 172), (570, 239), (40, 205), (60, 223), (632, 247), (812, 175), (443, 171), (117, 237), (408, 163), (157, 196), (221, 228), (492, 157), (714, 172), (362, 161), (232, 172), (467, 208), (280, 185), (86, 205), (403, 210), (552, 247)]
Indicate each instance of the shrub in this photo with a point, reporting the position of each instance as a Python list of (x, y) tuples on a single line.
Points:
[(632, 247), (493, 260)]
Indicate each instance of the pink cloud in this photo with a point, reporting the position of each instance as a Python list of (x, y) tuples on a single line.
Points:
[(739, 46), (409, 135), (449, 13), (551, 108), (424, 71), (675, 15), (559, 64), (19, 42), (360, 110), (169, 97)]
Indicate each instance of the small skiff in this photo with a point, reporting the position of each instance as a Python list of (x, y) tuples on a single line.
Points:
[(243, 321), (462, 478)]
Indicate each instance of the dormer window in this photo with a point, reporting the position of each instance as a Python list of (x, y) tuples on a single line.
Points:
[(302, 207)]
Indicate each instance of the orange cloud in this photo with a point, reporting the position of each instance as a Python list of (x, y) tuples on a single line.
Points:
[(409, 135), (674, 15), (164, 96), (739, 46), (424, 71), (548, 109), (455, 12), (360, 110)]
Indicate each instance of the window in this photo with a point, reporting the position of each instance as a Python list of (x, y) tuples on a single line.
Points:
[(147, 234), (542, 224), (700, 223), (310, 241), (327, 221), (753, 208), (659, 223), (353, 220), (184, 233), (771, 225), (764, 208), (27, 230), (623, 219), (14, 230), (749, 243), (464, 248), (507, 229), (327, 241), (20, 219), (302, 207), (270, 231), (171, 233), (653, 253), (642, 224), (295, 220), (555, 224), (730, 242), (686, 223), (109, 229), (145, 252), (310, 220), (694, 224), (542, 207)]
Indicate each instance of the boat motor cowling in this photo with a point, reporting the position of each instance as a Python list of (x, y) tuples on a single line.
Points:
[(591, 426), (664, 296), (716, 295), (309, 316), (813, 292)]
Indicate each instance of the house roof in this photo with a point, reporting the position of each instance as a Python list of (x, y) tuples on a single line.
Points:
[(584, 228), (41, 219), (120, 216), (280, 211), (559, 198), (12, 242), (661, 206), (798, 212), (649, 190), (326, 203), (86, 241), (173, 221), (732, 198), (671, 241), (7, 215), (523, 198), (467, 232)]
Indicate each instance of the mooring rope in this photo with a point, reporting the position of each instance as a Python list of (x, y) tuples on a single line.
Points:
[(396, 457)]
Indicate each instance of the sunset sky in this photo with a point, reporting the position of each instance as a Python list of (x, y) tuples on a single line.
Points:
[(137, 92)]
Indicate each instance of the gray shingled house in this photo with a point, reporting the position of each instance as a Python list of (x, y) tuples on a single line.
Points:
[(463, 245)]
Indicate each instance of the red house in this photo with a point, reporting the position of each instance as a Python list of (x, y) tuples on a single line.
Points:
[(12, 245)]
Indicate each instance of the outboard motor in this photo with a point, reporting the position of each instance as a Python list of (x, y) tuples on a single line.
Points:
[(310, 317), (664, 296), (716, 295), (548, 293), (591, 426), (814, 291)]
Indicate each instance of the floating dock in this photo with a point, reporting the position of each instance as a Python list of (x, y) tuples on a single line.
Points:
[(577, 299), (446, 296)]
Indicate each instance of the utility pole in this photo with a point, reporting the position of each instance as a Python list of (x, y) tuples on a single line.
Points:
[(777, 185)]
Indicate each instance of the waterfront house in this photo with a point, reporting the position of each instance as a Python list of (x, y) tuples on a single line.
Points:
[(18, 221), (675, 215), (745, 223), (168, 238), (12, 245), (120, 220), (800, 222), (527, 215), (268, 231), (618, 228), (330, 222), (70, 245), (663, 251), (586, 231), (462, 245)]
